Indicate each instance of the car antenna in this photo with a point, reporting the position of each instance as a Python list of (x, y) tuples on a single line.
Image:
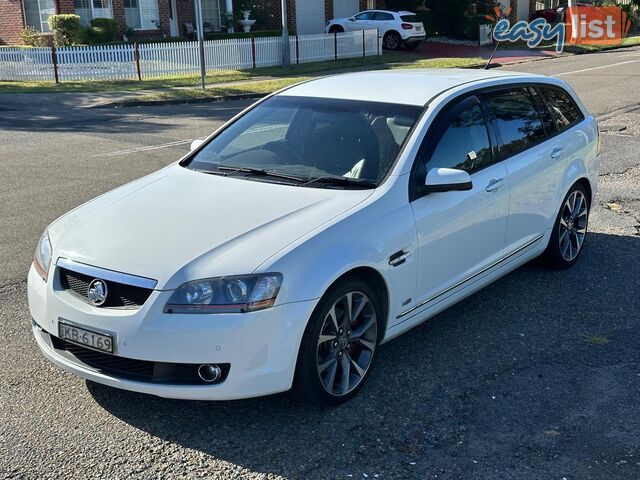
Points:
[(488, 65)]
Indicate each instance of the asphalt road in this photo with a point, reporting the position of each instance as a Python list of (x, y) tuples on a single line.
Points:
[(537, 376)]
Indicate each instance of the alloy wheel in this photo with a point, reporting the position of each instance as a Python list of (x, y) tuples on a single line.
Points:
[(573, 225), (346, 343), (392, 41)]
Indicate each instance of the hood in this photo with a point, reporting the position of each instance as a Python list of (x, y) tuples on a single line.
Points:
[(177, 225)]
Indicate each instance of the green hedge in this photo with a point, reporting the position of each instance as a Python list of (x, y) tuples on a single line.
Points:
[(257, 33), (65, 28), (104, 30), (471, 26)]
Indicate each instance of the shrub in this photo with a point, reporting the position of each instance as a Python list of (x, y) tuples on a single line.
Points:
[(65, 28), (410, 5), (471, 26), (103, 30), (426, 17), (32, 37)]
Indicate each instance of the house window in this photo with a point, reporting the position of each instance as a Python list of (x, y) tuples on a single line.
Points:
[(211, 15), (87, 10), (142, 14), (37, 12)]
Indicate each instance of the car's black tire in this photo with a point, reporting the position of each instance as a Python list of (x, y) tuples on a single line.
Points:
[(411, 45), (310, 383), (336, 29), (570, 229), (392, 41)]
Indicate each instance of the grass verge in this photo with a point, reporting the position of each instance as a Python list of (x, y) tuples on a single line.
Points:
[(174, 85)]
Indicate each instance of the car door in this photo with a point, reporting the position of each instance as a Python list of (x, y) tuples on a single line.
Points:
[(362, 22), (460, 233), (531, 154), (383, 21)]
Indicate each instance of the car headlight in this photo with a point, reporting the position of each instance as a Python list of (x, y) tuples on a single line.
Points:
[(42, 256), (237, 294)]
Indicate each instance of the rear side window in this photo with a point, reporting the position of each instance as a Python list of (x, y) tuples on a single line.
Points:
[(564, 109), (381, 16), (516, 119), (465, 142), (410, 18)]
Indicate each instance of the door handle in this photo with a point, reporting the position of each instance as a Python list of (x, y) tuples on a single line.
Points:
[(555, 153), (494, 184)]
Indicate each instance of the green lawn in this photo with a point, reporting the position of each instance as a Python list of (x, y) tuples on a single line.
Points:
[(281, 77)]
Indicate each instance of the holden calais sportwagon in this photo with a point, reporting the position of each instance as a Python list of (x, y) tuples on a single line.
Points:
[(317, 224)]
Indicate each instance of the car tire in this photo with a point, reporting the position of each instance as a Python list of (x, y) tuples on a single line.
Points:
[(335, 342), (411, 45), (569, 230), (336, 29), (392, 41)]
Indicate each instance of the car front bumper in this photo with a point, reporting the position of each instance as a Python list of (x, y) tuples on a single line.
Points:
[(260, 347)]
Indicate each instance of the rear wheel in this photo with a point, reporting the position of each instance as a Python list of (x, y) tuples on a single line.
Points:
[(570, 229), (339, 344), (392, 41)]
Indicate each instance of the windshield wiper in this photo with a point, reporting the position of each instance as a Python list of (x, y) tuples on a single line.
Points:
[(336, 180), (261, 172)]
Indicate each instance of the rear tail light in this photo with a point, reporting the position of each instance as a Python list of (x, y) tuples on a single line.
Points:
[(406, 26)]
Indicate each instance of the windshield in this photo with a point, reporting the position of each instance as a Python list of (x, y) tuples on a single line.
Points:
[(311, 138)]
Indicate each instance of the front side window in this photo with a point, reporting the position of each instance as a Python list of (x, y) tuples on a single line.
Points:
[(307, 138), (37, 13), (516, 118), (564, 109), (464, 144), (364, 16)]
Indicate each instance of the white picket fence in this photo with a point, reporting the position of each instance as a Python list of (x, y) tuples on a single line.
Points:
[(118, 62)]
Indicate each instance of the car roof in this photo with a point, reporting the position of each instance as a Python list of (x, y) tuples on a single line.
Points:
[(408, 87)]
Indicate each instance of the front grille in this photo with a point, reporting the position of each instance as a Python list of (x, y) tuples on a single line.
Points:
[(119, 295), (138, 370)]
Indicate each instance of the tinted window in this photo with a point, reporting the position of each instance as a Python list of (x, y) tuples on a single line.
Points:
[(381, 16), (517, 119), (465, 143), (563, 107), (312, 137), (543, 110), (364, 16), (410, 18)]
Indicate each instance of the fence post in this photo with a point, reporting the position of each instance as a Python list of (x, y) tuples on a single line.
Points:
[(297, 49), (54, 60), (136, 57), (364, 54), (253, 50), (335, 45)]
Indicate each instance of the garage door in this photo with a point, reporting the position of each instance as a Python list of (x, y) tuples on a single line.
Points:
[(345, 8), (309, 16)]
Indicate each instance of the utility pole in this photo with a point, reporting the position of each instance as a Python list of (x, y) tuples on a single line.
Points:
[(200, 32), (286, 55)]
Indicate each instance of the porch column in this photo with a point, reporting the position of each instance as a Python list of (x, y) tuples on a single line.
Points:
[(229, 9)]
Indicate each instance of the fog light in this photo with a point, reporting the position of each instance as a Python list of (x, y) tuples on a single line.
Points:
[(209, 373)]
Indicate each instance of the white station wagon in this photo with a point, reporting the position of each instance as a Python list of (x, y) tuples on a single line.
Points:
[(319, 223)]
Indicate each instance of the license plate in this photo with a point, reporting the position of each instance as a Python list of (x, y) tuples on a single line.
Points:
[(86, 338)]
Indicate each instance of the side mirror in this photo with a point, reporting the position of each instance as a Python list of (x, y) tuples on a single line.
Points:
[(446, 180), (352, 19), (195, 144)]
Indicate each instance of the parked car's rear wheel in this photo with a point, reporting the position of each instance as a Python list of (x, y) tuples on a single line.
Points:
[(339, 344), (570, 230), (392, 41), (411, 45), (336, 29)]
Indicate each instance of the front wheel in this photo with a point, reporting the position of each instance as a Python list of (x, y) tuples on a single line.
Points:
[(339, 344), (570, 229), (392, 41)]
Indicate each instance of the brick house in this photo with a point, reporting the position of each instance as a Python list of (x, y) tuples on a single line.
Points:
[(167, 18)]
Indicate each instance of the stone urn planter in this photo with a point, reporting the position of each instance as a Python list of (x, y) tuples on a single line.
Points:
[(246, 22)]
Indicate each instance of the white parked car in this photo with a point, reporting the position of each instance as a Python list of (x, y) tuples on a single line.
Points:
[(395, 28), (316, 225)]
